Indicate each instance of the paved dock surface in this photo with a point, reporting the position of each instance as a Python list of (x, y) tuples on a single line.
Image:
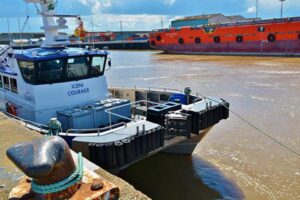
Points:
[(12, 132)]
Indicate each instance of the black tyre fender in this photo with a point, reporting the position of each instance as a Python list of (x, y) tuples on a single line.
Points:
[(217, 39), (239, 39), (197, 40), (180, 41), (271, 37)]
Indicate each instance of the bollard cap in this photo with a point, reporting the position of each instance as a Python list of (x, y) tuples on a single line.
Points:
[(46, 160)]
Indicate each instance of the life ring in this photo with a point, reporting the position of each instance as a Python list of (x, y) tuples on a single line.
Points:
[(180, 41), (197, 40), (11, 109), (217, 39), (158, 38), (239, 39), (271, 37), (152, 43)]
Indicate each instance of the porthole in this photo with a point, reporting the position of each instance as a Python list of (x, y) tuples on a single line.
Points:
[(271, 37), (158, 38), (217, 39), (197, 40), (239, 39), (180, 41)]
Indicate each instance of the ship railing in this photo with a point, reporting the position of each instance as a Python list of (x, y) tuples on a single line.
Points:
[(135, 104), (156, 89), (96, 130), (36, 126)]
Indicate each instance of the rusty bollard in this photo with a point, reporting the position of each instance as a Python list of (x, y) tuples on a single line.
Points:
[(52, 173)]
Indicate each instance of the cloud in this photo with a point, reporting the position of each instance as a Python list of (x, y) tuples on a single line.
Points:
[(96, 5), (100, 22), (170, 2), (252, 9), (271, 8), (140, 22)]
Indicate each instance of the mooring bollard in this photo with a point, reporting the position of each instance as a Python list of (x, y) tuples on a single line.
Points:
[(52, 173)]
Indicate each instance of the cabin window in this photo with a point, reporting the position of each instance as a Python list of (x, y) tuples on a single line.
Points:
[(49, 71), (14, 85), (27, 70), (1, 83), (62, 70), (97, 66), (209, 29), (77, 67), (6, 82)]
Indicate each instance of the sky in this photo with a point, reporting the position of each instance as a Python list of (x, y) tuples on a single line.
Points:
[(138, 15)]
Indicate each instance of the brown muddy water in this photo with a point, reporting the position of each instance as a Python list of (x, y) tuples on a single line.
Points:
[(234, 160)]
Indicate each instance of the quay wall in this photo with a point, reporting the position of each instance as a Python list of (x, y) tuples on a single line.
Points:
[(12, 132)]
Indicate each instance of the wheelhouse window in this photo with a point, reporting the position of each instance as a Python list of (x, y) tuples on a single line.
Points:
[(62, 70), (6, 82), (14, 85), (1, 83), (97, 66), (49, 71), (77, 68), (28, 71)]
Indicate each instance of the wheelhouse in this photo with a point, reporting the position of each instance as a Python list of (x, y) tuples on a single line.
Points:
[(49, 66)]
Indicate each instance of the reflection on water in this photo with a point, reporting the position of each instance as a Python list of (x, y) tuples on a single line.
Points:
[(266, 91), (214, 179), (165, 176)]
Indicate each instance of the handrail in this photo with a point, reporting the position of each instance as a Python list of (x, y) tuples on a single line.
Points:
[(41, 126), (149, 89), (95, 129), (109, 110)]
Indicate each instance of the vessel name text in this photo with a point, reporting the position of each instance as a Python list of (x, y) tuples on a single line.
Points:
[(78, 88)]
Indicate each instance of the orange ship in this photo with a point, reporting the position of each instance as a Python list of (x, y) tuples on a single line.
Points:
[(257, 37)]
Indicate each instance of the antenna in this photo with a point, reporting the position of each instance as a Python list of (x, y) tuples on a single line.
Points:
[(256, 9), (27, 13), (8, 26), (51, 27), (93, 40), (20, 35), (121, 28), (281, 10)]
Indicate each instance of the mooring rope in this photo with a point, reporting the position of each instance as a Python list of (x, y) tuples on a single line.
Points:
[(255, 127), (74, 178)]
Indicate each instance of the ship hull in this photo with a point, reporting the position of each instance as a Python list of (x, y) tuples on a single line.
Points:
[(262, 48), (278, 37)]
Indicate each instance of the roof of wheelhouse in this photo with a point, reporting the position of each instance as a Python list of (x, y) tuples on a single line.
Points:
[(39, 54)]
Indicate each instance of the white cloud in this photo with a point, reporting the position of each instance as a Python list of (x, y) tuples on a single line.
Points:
[(96, 5), (170, 2), (252, 9), (142, 22), (101, 22), (273, 4)]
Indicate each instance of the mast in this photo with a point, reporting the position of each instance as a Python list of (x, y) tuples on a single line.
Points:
[(51, 27), (281, 9)]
